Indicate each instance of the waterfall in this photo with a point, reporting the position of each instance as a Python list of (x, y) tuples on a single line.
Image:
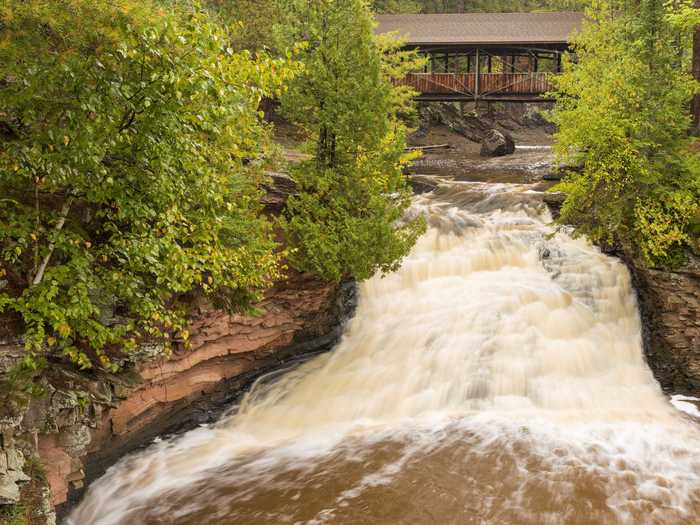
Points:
[(498, 377)]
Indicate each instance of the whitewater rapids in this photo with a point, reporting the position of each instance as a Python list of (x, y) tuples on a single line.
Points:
[(497, 378)]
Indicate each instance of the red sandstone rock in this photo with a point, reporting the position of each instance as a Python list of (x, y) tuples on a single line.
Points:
[(223, 347)]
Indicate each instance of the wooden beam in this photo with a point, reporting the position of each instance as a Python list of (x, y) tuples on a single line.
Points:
[(478, 75)]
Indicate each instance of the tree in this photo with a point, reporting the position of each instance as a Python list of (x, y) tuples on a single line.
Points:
[(622, 112), (129, 174), (348, 217)]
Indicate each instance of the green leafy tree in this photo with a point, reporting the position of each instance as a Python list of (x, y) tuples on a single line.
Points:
[(129, 172), (348, 217), (250, 21), (623, 116)]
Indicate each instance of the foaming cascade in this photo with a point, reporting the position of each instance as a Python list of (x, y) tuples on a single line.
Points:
[(498, 377)]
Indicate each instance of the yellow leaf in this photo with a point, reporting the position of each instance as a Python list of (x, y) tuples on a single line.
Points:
[(63, 329)]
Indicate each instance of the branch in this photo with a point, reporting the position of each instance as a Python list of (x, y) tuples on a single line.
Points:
[(52, 245)]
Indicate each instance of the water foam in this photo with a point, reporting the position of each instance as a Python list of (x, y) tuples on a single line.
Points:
[(501, 338)]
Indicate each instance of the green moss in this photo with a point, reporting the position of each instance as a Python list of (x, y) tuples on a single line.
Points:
[(13, 515)]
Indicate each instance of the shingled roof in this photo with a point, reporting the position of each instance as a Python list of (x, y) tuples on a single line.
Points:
[(482, 28)]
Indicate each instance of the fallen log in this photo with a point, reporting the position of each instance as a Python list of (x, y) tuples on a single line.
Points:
[(425, 148)]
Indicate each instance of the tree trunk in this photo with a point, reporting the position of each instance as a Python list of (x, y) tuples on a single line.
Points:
[(696, 73)]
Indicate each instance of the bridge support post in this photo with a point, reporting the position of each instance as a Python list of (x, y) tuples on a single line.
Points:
[(477, 78)]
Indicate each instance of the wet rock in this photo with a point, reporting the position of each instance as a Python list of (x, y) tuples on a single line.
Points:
[(473, 121), (554, 201), (9, 491), (470, 125), (279, 187), (75, 440), (422, 183), (562, 170), (535, 116), (11, 475), (497, 144), (670, 307)]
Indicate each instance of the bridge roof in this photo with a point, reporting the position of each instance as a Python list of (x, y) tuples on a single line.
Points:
[(482, 28)]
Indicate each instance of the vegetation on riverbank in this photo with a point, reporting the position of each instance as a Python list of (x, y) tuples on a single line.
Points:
[(623, 116)]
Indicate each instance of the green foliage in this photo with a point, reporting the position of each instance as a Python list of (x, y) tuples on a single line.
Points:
[(251, 21), (13, 515), (623, 116), (347, 219), (130, 171), (396, 64)]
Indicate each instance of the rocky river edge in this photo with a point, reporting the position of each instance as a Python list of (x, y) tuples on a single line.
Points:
[(52, 446)]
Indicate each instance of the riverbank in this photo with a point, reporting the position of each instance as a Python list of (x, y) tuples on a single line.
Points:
[(87, 421)]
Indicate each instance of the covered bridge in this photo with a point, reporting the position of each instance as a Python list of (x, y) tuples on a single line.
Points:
[(485, 56)]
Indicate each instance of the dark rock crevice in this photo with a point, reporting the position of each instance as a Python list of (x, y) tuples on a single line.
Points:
[(669, 303)]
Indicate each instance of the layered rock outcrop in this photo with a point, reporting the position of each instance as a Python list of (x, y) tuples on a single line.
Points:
[(84, 423), (475, 121), (670, 308)]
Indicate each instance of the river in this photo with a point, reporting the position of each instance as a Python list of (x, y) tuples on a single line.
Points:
[(497, 378)]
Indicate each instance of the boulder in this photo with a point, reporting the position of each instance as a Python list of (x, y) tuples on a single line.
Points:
[(554, 202), (11, 475), (497, 144), (422, 183), (280, 187)]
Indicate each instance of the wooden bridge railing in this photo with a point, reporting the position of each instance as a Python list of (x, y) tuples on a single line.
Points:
[(489, 84)]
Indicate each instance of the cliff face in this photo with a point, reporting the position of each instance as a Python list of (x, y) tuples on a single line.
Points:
[(77, 436), (670, 308)]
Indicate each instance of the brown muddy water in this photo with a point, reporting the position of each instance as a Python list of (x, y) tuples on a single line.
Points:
[(496, 378)]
